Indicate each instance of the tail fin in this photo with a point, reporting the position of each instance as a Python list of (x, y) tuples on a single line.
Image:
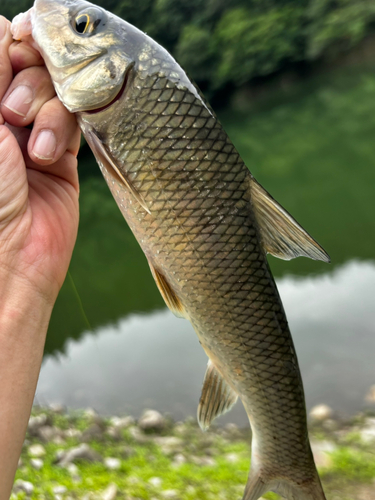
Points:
[(256, 486)]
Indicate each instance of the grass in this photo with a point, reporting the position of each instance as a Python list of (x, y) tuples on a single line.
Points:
[(352, 465)]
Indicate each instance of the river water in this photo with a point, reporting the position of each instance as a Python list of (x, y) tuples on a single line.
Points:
[(112, 345)]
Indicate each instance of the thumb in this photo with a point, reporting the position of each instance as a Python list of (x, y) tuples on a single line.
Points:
[(13, 180)]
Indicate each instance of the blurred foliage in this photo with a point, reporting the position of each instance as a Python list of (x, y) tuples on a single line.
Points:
[(225, 43), (253, 44), (337, 25)]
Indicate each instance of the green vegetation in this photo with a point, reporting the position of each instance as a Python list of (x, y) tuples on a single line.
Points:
[(214, 466), (139, 463), (312, 148), (353, 464), (224, 44)]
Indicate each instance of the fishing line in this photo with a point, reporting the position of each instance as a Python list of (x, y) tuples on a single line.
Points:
[(78, 297)]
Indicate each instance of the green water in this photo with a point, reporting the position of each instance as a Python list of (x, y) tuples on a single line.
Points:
[(312, 148)]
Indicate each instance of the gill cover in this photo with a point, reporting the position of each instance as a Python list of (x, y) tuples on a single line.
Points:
[(83, 53)]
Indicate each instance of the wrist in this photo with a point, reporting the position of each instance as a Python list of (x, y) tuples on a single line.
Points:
[(24, 318), (24, 307)]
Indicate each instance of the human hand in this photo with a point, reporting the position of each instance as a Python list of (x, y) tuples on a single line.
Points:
[(38, 173), (38, 228)]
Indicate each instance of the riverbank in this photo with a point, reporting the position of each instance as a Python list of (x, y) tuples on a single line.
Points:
[(72, 455)]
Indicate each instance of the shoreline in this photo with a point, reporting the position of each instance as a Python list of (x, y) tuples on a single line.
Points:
[(71, 455)]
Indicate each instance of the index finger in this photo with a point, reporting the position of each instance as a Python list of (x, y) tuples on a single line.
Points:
[(22, 55), (6, 73)]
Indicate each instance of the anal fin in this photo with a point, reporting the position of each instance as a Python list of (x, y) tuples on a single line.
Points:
[(281, 234), (105, 158), (167, 292), (217, 397)]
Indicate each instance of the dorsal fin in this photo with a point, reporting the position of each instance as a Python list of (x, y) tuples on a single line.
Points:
[(167, 292), (281, 234), (105, 158), (217, 397)]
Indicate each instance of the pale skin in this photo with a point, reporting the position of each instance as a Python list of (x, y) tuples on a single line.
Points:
[(38, 228)]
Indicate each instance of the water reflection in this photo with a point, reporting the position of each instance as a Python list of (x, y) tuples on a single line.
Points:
[(155, 360)]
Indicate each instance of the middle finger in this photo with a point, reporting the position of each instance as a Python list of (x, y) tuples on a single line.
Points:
[(30, 89)]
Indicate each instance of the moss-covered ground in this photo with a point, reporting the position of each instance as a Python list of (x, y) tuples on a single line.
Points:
[(195, 466)]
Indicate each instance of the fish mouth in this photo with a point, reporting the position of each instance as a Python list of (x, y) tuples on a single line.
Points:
[(128, 77)]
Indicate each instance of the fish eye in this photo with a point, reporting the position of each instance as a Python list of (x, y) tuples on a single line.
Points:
[(82, 23), (85, 23)]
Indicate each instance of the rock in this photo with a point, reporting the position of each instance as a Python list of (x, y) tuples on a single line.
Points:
[(72, 433), (138, 435), (24, 486), (178, 460), (36, 463), (152, 420), (46, 433), (180, 428), (93, 417), (112, 463), (169, 444), (74, 472), (155, 482), (35, 423), (82, 452), (370, 396), (59, 490), (367, 433), (320, 413), (231, 428), (321, 451), (205, 461), (117, 425), (57, 408), (110, 492), (93, 433), (122, 423), (59, 454), (232, 458), (114, 433), (59, 441), (172, 494), (72, 469), (36, 451), (90, 414), (330, 425)]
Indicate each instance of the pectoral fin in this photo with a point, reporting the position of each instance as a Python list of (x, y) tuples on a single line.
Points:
[(281, 235), (168, 294), (105, 158), (217, 397)]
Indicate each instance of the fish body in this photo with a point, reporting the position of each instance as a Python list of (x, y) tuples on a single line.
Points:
[(202, 220)]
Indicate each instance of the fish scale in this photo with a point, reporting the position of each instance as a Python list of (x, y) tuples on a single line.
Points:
[(203, 222), (220, 273)]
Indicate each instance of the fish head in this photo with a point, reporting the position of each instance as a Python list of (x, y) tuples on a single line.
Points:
[(83, 47)]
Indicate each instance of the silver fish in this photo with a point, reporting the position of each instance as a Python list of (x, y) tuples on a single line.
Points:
[(203, 221)]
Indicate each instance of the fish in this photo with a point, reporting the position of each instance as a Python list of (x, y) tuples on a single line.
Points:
[(203, 221)]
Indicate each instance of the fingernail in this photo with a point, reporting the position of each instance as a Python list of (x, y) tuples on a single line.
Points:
[(19, 101), (45, 145)]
